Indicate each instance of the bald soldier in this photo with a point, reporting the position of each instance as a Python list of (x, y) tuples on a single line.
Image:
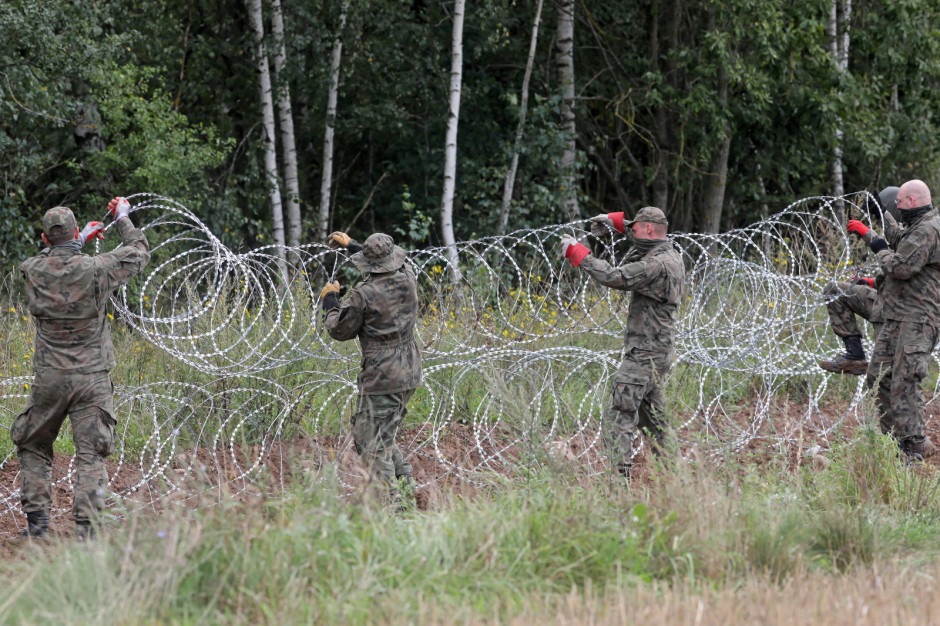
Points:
[(653, 271), (381, 311), (910, 296), (66, 293)]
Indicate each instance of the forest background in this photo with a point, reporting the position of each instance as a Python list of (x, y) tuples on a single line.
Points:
[(720, 112)]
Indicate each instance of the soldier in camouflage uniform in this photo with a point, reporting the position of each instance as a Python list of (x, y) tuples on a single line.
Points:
[(66, 293), (654, 272), (845, 300), (381, 311), (911, 291)]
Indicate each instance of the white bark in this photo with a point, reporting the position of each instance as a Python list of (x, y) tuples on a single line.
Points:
[(450, 146), (326, 179), (564, 61), (523, 108), (267, 115), (839, 39), (286, 120)]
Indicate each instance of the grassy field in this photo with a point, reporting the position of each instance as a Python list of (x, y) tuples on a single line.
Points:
[(855, 542)]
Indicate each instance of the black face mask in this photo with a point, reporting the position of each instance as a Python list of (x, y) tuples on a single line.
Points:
[(643, 246), (909, 216)]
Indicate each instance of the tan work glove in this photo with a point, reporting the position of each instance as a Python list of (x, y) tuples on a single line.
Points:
[(338, 239), (328, 288), (601, 225)]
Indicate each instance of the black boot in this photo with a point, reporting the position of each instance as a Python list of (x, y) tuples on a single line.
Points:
[(623, 469), (84, 531), (852, 362), (913, 452), (37, 525)]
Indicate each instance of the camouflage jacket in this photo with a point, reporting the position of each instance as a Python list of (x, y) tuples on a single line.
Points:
[(911, 288), (66, 293), (381, 311), (657, 281)]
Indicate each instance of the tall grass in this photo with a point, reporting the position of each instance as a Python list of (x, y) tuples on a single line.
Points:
[(554, 541)]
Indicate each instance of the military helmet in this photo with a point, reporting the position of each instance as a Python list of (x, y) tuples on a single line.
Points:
[(889, 200), (58, 224), (379, 255)]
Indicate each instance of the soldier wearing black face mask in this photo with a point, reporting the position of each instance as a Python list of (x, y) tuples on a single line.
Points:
[(910, 295)]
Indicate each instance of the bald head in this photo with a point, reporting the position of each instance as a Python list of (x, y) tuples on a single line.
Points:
[(912, 194)]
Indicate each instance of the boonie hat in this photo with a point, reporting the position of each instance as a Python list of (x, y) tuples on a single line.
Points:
[(649, 214), (379, 255), (59, 221)]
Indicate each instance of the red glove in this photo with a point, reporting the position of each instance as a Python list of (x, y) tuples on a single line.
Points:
[(864, 280), (617, 219), (119, 207), (91, 230), (574, 251), (857, 228)]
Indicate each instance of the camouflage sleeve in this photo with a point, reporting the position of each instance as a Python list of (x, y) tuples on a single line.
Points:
[(344, 323), (913, 253), (625, 277), (893, 230), (117, 267)]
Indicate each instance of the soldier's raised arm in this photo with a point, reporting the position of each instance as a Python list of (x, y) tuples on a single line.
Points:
[(121, 264)]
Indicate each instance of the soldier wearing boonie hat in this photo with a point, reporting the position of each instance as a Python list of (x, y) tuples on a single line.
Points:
[(653, 271), (381, 311), (66, 293)]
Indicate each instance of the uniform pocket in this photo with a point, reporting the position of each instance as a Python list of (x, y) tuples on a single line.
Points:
[(93, 429), (629, 390), (915, 364), (104, 444), (19, 430)]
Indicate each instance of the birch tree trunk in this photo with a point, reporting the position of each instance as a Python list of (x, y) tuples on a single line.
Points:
[(523, 108), (838, 30), (267, 119), (564, 60), (286, 119), (326, 179), (450, 146)]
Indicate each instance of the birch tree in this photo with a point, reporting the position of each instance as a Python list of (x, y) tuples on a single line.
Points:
[(564, 61), (286, 122), (267, 124), (450, 146), (327, 175), (838, 31), (523, 107)]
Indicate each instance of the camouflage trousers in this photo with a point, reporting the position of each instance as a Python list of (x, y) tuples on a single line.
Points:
[(637, 401), (898, 366), (845, 301), (374, 426), (88, 400)]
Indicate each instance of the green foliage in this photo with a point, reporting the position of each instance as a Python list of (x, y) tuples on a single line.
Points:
[(418, 227), (170, 92), (149, 145)]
